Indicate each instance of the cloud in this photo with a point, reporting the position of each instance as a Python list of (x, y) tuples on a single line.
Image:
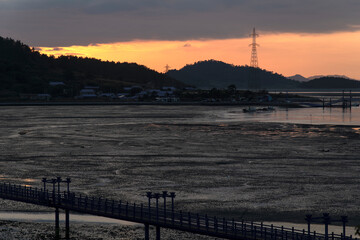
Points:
[(187, 45), (68, 22), (56, 49), (73, 54)]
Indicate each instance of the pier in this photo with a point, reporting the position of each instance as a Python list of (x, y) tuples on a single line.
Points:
[(158, 216)]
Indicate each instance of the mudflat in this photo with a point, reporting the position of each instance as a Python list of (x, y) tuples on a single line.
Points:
[(251, 170)]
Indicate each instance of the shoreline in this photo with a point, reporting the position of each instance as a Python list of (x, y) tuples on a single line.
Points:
[(290, 105)]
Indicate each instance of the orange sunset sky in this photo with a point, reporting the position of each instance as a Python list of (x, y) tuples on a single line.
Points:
[(308, 37), (285, 53)]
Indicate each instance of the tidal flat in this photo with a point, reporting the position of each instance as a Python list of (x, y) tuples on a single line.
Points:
[(259, 171)]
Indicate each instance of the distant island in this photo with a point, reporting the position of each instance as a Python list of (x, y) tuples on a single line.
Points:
[(216, 74)]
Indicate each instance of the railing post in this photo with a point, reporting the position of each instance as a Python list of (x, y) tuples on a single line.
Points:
[(86, 202), (157, 196), (112, 207), (164, 196), (119, 206), (198, 221), (141, 211), (189, 219), (235, 229), (134, 213), (244, 229), (265, 229), (79, 201), (302, 236), (148, 194), (127, 209), (181, 218), (99, 204), (215, 224), (207, 222)]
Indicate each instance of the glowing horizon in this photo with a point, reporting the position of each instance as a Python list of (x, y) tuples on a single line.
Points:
[(285, 53)]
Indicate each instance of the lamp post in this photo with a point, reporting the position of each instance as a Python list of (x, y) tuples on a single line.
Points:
[(57, 181), (149, 195)]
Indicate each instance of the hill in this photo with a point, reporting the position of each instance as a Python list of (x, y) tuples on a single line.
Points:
[(216, 74), (298, 78), (320, 76), (331, 83), (24, 70)]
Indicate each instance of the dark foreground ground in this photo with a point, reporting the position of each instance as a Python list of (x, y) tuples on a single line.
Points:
[(256, 171)]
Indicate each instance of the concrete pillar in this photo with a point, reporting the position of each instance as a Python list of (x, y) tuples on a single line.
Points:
[(146, 231), (67, 224), (57, 224), (157, 233)]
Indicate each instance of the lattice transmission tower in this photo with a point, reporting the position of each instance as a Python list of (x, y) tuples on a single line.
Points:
[(167, 68), (254, 59)]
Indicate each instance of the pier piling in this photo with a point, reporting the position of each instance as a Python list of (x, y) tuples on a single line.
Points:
[(157, 233), (57, 224), (67, 224), (146, 231)]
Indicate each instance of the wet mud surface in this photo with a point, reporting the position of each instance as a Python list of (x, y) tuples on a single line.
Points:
[(257, 171)]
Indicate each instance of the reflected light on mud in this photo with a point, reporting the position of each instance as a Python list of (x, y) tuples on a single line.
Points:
[(357, 130), (29, 180)]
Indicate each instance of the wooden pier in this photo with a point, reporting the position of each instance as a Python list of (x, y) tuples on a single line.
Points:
[(160, 217)]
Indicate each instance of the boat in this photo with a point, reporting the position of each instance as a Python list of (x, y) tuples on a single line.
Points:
[(249, 110), (252, 109)]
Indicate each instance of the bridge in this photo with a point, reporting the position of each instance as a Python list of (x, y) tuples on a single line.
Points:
[(160, 217)]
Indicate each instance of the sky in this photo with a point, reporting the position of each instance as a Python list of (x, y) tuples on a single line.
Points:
[(308, 37)]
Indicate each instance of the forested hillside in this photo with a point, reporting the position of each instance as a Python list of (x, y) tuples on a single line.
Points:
[(25, 70)]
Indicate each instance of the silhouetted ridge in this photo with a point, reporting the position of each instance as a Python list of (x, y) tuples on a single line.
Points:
[(216, 74), (25, 70), (331, 82)]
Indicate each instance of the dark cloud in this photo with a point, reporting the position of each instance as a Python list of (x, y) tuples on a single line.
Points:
[(187, 45), (55, 49), (69, 22)]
